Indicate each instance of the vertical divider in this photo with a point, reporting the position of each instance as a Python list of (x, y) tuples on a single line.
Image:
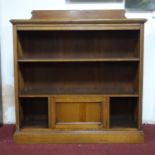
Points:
[(106, 113), (51, 112), (140, 91)]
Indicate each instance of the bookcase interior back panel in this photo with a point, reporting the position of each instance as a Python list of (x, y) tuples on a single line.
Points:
[(123, 112), (34, 112), (78, 44), (72, 78)]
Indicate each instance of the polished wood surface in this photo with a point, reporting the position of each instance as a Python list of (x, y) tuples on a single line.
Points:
[(60, 137), (76, 14), (76, 111), (78, 77), (79, 16)]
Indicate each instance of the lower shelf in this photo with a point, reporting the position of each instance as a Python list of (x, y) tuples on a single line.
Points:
[(35, 124), (27, 137)]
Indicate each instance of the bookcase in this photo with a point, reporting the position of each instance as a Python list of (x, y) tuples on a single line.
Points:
[(78, 77)]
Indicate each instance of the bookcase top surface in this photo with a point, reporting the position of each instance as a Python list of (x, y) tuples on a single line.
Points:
[(77, 16)]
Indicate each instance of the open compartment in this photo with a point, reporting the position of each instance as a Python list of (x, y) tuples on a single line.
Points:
[(33, 112), (79, 44), (123, 112), (79, 78)]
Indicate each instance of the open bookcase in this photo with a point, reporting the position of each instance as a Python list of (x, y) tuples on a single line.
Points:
[(78, 77)]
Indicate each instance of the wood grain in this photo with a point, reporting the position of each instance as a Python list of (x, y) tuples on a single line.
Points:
[(73, 14), (79, 137), (75, 111)]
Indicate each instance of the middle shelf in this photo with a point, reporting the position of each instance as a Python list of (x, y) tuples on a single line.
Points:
[(24, 60)]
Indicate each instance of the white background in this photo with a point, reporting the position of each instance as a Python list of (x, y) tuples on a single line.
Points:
[(18, 9)]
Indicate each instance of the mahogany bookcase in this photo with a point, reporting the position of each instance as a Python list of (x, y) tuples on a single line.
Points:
[(78, 77)]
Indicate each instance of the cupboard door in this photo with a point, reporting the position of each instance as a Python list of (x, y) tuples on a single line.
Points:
[(78, 112)]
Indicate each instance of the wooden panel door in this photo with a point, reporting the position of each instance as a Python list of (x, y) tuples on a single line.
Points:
[(78, 112)]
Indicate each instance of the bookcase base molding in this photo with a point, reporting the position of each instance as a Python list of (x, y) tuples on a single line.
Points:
[(78, 77), (29, 137)]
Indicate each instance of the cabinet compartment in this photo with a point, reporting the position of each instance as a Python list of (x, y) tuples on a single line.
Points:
[(33, 112), (79, 44), (78, 78), (123, 112)]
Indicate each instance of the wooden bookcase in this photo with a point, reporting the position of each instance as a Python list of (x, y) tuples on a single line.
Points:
[(78, 77)]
